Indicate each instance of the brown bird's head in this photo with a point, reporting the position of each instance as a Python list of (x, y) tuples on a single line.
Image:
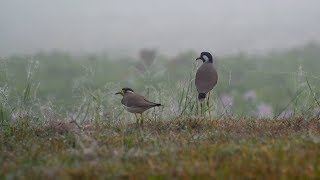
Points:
[(125, 91)]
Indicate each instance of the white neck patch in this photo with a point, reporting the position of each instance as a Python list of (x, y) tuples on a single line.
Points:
[(206, 58)]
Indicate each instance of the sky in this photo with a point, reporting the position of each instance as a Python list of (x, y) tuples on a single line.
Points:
[(171, 26)]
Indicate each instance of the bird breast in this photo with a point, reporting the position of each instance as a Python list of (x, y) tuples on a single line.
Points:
[(206, 78)]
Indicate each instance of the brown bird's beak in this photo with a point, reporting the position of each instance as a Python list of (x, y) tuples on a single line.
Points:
[(119, 93)]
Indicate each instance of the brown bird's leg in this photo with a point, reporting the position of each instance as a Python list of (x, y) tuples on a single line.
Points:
[(201, 109), (208, 104), (141, 119), (137, 120)]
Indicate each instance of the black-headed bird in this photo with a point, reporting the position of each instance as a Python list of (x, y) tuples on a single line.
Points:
[(206, 78)]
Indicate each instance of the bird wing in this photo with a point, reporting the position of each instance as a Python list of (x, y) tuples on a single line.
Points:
[(136, 100), (206, 78)]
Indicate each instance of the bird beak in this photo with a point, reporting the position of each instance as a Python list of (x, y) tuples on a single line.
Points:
[(119, 93), (199, 58)]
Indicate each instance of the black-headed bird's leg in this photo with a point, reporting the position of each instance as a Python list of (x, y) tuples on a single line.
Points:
[(208, 104)]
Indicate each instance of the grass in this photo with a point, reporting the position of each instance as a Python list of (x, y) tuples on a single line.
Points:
[(179, 148), (60, 119)]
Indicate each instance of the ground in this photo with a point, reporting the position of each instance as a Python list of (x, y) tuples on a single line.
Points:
[(182, 148)]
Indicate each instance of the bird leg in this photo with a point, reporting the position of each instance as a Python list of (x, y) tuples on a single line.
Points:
[(201, 109), (137, 120), (141, 119), (208, 104)]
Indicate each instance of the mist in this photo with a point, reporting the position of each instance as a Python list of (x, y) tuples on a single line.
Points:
[(124, 27), (171, 89)]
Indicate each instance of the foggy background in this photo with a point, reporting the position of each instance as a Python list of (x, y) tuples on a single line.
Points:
[(124, 27)]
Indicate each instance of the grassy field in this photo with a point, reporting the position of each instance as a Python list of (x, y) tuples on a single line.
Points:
[(60, 119), (179, 148)]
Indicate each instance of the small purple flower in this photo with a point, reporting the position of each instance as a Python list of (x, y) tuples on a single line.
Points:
[(264, 111)]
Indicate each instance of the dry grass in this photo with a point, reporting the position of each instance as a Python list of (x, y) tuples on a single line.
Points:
[(180, 148)]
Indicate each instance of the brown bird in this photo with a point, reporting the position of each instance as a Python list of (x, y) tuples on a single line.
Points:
[(135, 103), (206, 78)]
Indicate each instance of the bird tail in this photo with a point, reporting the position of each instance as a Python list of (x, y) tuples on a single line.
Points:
[(201, 97), (156, 104)]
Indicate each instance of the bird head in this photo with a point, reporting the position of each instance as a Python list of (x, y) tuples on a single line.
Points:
[(125, 91), (205, 57)]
